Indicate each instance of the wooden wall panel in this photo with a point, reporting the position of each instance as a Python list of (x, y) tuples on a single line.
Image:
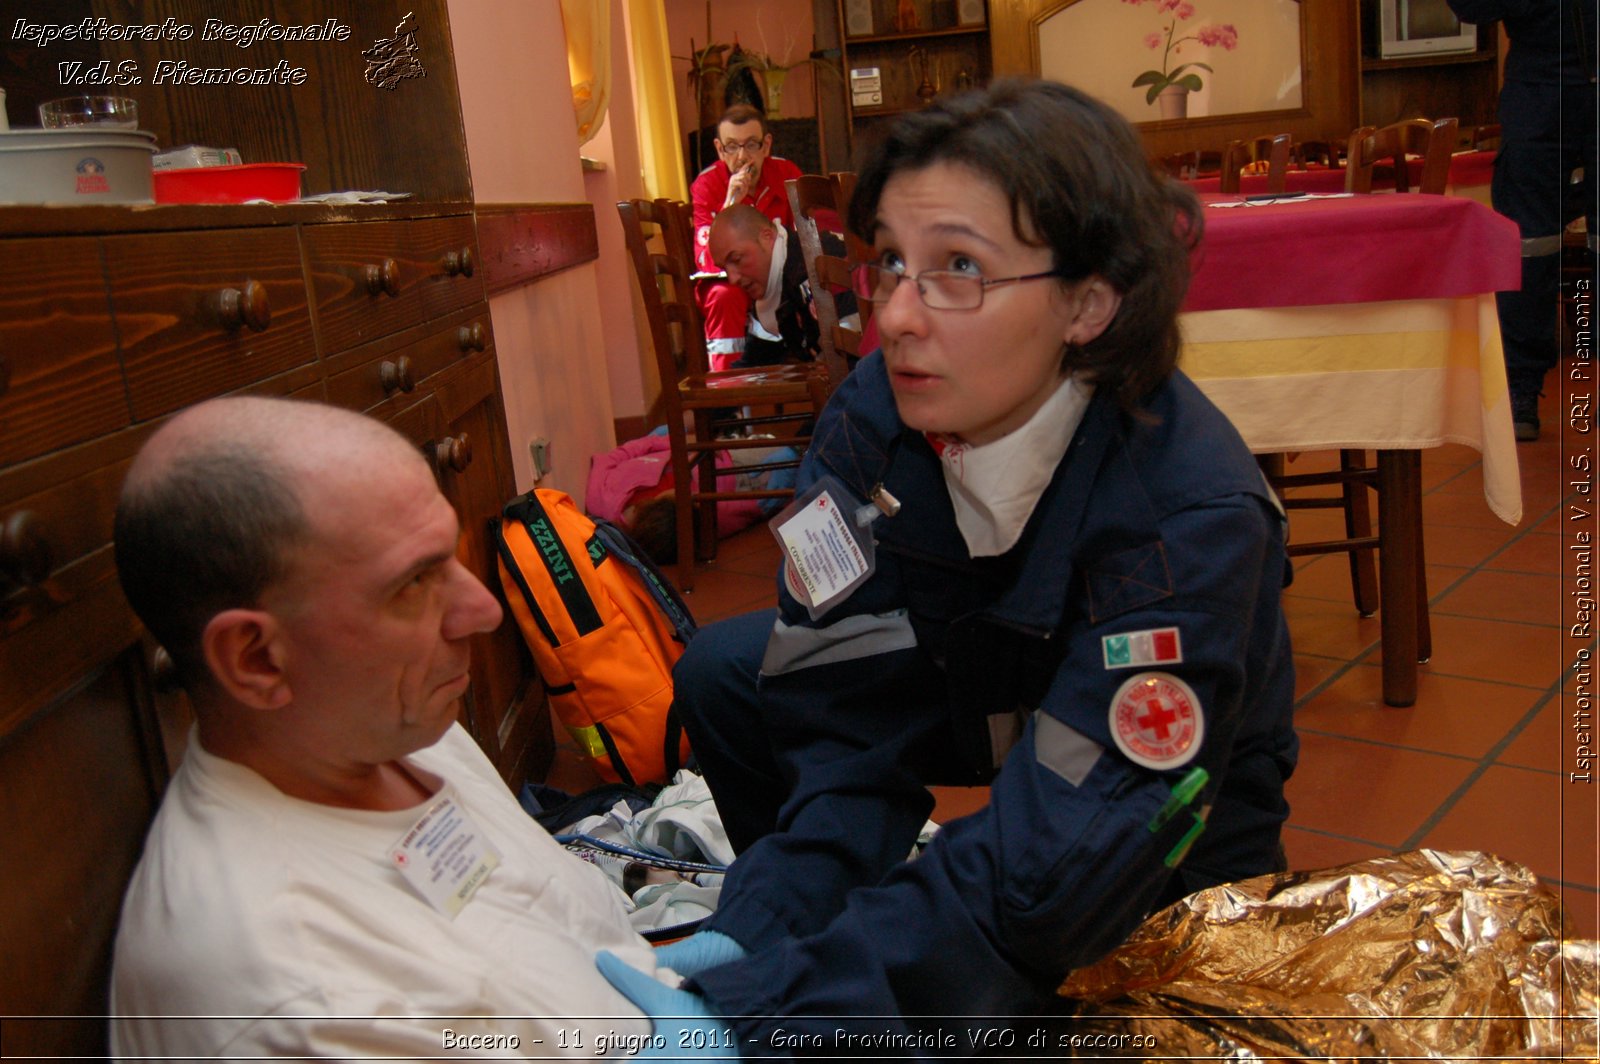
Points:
[(1330, 70)]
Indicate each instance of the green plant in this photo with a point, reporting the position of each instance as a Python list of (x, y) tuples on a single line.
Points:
[(1182, 76)]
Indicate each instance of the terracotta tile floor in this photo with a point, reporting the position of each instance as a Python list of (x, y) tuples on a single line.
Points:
[(1479, 762)]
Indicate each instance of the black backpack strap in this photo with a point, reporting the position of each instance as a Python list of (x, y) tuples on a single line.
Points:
[(620, 545), (558, 561)]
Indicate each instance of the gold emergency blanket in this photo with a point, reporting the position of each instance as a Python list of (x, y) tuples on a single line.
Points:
[(1425, 954)]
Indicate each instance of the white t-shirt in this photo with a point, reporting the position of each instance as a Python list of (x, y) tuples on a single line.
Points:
[(280, 927)]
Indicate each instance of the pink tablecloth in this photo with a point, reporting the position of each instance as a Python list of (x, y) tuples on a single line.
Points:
[(1359, 249), (1466, 168)]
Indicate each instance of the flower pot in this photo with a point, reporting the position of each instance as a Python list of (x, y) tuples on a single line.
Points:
[(1174, 101)]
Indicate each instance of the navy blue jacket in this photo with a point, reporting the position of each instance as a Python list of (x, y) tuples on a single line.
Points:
[(1148, 524)]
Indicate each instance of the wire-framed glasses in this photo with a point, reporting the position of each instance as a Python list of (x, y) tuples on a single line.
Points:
[(938, 289)]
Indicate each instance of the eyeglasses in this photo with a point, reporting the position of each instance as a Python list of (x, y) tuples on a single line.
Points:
[(749, 147), (938, 289)]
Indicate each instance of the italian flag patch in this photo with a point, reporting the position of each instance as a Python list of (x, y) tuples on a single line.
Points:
[(1135, 650)]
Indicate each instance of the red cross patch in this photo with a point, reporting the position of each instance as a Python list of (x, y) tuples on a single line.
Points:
[(1156, 720)]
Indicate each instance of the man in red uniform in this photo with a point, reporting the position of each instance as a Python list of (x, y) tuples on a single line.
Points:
[(747, 172)]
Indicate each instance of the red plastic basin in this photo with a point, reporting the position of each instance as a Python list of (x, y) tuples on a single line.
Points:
[(277, 182)]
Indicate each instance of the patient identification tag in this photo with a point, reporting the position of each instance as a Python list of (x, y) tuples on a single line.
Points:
[(827, 544), (444, 857)]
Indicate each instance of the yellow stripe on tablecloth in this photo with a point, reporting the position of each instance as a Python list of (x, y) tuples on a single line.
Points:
[(1348, 353), (1407, 374)]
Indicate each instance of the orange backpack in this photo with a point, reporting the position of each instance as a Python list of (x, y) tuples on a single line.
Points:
[(605, 628)]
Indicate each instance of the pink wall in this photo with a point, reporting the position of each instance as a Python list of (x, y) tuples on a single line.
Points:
[(776, 22), (556, 349)]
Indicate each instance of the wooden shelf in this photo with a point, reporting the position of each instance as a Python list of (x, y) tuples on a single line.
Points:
[(944, 57), (1415, 61), (893, 38), (883, 112)]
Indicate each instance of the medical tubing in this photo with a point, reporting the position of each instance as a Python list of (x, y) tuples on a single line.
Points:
[(644, 856)]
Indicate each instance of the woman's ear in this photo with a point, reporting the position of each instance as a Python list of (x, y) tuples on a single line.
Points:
[(1097, 304), (243, 650)]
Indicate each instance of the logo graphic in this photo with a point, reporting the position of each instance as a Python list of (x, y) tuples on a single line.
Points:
[(1156, 721), (392, 60), (92, 176)]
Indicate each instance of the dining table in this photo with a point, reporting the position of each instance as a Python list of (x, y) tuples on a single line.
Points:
[(1368, 323)]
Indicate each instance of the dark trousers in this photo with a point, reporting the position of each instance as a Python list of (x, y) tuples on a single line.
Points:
[(1549, 134)]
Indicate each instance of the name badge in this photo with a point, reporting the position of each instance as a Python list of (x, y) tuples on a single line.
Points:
[(827, 550), (444, 857)]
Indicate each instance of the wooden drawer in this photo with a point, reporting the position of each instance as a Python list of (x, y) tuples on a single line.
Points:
[(59, 379), (50, 527), (370, 279), (399, 365), (206, 312)]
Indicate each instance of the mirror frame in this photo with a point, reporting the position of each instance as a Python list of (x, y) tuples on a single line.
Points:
[(1330, 68)]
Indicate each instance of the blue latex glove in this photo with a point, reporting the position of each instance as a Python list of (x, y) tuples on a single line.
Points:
[(678, 1018), (699, 952)]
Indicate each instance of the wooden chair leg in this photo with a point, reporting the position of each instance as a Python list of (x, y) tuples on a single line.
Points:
[(1399, 533), (1424, 626), (684, 504), (1358, 523)]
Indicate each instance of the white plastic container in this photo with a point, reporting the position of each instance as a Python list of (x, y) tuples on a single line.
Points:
[(191, 156), (76, 166)]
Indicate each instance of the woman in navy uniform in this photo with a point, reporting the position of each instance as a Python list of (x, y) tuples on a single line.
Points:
[(1071, 589)]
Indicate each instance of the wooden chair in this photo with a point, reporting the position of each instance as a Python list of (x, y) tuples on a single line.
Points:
[(697, 403), (819, 204), (1357, 475), (1325, 153), (1186, 165), (1432, 139), (1486, 138), (1271, 148)]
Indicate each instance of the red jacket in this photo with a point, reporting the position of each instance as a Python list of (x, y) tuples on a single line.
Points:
[(711, 188)]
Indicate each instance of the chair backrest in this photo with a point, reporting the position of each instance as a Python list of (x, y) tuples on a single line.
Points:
[(1327, 153), (1271, 148), (1432, 139), (1486, 138), (818, 207), (676, 331)]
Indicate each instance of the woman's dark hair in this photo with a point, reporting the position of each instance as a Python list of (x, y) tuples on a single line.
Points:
[(1079, 182)]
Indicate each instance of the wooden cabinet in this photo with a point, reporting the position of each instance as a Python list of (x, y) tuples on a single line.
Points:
[(113, 318), (105, 333), (898, 56), (1465, 86)]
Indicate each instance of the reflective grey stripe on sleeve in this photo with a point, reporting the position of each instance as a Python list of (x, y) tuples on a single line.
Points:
[(1065, 751), (793, 648), (1534, 247)]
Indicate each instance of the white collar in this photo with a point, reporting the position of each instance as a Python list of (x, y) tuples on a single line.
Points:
[(766, 309), (994, 487)]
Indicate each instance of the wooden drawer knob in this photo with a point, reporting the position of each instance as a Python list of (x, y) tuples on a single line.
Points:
[(473, 337), (383, 279), (24, 552), (247, 305), (454, 452), (459, 262), (163, 671), (396, 376)]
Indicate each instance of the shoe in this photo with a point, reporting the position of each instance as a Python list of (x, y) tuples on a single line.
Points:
[(1525, 417)]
